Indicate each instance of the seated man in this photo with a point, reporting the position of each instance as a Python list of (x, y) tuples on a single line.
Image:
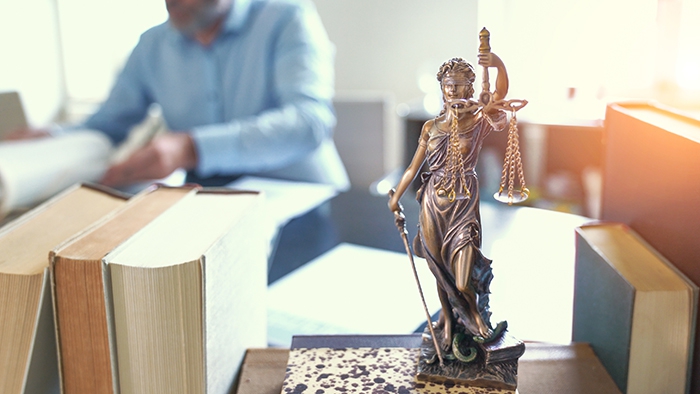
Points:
[(245, 86)]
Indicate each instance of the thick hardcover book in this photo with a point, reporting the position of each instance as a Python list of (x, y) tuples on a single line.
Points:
[(650, 182), (363, 363), (28, 360), (188, 291), (87, 352), (635, 309)]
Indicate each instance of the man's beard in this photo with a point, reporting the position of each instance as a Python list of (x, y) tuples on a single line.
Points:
[(204, 18)]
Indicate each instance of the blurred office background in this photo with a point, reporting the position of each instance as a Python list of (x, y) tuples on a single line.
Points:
[(566, 58), (65, 53)]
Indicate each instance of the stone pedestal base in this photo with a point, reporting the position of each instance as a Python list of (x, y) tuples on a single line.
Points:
[(495, 366)]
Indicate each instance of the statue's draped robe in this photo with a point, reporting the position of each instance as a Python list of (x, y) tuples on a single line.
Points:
[(447, 227)]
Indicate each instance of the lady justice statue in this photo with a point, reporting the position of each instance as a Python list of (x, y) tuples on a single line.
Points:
[(449, 229)]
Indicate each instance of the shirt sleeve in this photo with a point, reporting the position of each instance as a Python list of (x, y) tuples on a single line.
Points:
[(302, 117), (127, 103)]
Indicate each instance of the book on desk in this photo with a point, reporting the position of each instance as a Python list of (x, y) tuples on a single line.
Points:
[(167, 275), (28, 361), (650, 171), (635, 309), (86, 345), (186, 292)]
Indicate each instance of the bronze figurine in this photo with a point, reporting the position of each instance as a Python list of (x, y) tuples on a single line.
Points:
[(449, 235)]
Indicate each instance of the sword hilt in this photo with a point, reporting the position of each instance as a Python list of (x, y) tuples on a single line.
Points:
[(485, 47)]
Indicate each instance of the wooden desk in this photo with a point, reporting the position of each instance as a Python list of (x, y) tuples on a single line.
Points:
[(543, 369)]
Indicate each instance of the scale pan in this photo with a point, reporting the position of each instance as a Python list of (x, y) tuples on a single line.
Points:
[(516, 197)]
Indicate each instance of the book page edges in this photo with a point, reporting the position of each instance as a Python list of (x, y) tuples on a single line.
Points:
[(124, 327), (656, 361)]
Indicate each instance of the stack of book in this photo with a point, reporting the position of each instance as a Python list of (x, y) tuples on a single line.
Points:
[(650, 172), (160, 292), (635, 308)]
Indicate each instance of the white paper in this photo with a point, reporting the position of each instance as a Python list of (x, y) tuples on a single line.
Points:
[(34, 170), (285, 200)]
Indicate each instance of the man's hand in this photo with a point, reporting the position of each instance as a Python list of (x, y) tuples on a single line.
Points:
[(26, 134), (158, 159)]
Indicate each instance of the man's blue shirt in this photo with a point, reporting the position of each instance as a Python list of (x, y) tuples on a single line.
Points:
[(257, 99)]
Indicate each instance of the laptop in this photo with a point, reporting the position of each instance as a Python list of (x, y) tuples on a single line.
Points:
[(12, 114)]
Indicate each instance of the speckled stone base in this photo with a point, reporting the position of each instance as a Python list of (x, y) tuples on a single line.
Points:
[(496, 365), (365, 370)]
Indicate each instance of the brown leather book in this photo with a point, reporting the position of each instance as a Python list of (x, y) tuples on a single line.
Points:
[(83, 319)]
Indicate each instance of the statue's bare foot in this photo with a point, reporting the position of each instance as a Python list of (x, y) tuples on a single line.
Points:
[(486, 334), (447, 337), (484, 330), (440, 321), (492, 334)]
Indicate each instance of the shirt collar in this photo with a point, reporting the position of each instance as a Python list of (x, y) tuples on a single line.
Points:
[(235, 21), (237, 17)]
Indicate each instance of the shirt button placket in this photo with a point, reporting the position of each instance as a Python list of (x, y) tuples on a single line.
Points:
[(213, 87)]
